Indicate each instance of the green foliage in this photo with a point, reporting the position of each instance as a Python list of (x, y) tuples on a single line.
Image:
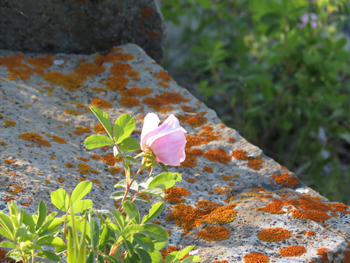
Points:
[(275, 80), (90, 235)]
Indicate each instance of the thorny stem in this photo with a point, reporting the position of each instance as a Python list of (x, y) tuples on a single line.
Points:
[(128, 187), (114, 248)]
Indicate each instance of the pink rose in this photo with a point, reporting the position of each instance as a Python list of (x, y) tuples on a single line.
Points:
[(167, 141)]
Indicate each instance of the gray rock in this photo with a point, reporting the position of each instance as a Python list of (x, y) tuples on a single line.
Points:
[(81, 26), (264, 210)]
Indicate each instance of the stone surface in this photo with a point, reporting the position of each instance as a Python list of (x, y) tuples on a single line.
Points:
[(263, 211), (81, 26)]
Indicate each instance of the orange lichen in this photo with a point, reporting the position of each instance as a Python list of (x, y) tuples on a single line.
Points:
[(82, 159), (222, 191), (78, 133), (16, 189), (226, 177), (256, 257), (316, 216), (164, 99), (146, 13), (60, 179), (163, 76), (43, 143), (30, 136), (114, 170), (72, 112), (162, 84), (255, 163), (70, 82), (89, 69), (136, 91), (9, 161), (165, 251), (323, 252), (95, 157), (116, 83), (218, 155), (98, 59), (101, 103), (58, 139), (8, 198), (194, 121), (42, 62), (95, 181), (86, 169), (222, 261), (205, 136), (274, 234), (110, 159), (292, 251), (310, 233), (174, 194), (191, 155), (3, 143), (214, 233), (128, 101), (69, 165), (191, 180), (16, 68), (188, 217), (208, 169), (10, 123), (231, 140), (83, 129), (98, 128), (240, 155), (285, 180), (144, 196)]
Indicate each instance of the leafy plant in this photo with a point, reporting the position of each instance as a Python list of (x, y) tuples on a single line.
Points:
[(90, 235)]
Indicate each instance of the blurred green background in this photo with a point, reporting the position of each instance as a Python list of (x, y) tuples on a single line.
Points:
[(275, 70)]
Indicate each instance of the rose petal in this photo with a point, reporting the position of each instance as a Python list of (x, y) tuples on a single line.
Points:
[(171, 124), (150, 123), (169, 148)]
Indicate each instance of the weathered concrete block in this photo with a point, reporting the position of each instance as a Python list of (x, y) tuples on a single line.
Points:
[(81, 26), (234, 203)]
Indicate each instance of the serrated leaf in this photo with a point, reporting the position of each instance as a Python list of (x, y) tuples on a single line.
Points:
[(129, 145), (119, 218), (170, 258), (103, 118), (80, 191), (42, 211), (95, 141), (154, 212), (94, 232), (48, 255), (8, 235), (50, 241), (104, 237), (137, 198), (122, 184), (154, 191), (119, 195), (82, 205), (50, 227), (60, 199), (131, 159), (7, 226), (156, 256), (123, 127), (130, 230), (15, 254), (143, 255), (7, 244), (165, 180), (162, 165), (110, 259), (184, 252), (129, 208)]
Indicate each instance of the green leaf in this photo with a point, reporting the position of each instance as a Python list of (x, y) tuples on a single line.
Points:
[(130, 230), (83, 205), (165, 180), (28, 221), (48, 255), (95, 232), (110, 259), (184, 252), (60, 199), (156, 256), (50, 227), (154, 212), (80, 191), (271, 18), (131, 159), (143, 255), (104, 237), (103, 118), (129, 145), (123, 127), (171, 258), (15, 254), (122, 184), (156, 232), (119, 219), (8, 235), (119, 195), (192, 259), (130, 207), (7, 226), (154, 191), (42, 211), (7, 244), (144, 241), (340, 43), (162, 165), (94, 141), (91, 257), (50, 241)]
